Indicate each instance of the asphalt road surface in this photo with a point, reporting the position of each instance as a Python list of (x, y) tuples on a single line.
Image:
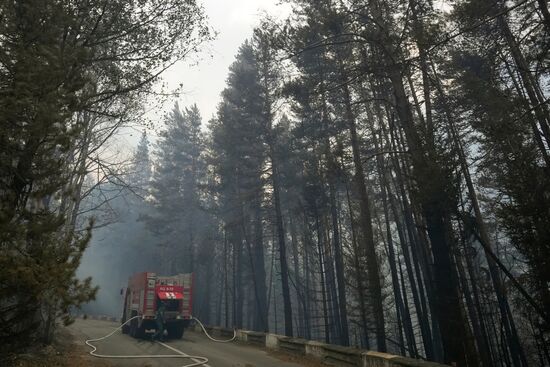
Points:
[(194, 344)]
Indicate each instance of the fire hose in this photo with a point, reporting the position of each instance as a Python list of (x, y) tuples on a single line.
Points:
[(198, 360), (211, 338)]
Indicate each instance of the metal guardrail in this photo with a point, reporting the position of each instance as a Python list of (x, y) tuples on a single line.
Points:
[(292, 345), (256, 338), (341, 356), (329, 354)]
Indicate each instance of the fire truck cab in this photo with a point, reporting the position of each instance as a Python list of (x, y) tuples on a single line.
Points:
[(143, 295)]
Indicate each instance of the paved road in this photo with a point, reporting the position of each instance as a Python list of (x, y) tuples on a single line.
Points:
[(194, 344)]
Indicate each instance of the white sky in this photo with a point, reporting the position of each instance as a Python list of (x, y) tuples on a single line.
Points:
[(203, 76), (234, 21)]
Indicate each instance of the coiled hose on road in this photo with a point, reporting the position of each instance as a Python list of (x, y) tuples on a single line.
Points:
[(198, 360)]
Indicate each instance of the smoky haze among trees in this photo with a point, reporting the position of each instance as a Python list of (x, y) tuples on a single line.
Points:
[(376, 175), (71, 74)]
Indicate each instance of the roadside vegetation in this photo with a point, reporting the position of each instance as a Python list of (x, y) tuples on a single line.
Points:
[(71, 74)]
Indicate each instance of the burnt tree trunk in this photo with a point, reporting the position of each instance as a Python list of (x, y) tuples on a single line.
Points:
[(373, 268)]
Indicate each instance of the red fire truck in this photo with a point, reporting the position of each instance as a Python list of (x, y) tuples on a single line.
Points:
[(143, 295)]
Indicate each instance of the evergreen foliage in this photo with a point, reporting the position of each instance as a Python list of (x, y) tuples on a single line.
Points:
[(65, 68)]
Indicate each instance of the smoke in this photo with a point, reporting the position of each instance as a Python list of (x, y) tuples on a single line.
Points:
[(102, 261), (116, 251)]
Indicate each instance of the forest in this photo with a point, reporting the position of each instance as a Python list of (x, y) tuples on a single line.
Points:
[(376, 174)]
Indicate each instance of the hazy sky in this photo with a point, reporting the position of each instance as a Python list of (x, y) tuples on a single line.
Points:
[(203, 76), (234, 21)]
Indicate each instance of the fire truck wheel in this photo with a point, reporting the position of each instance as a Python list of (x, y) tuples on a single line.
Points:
[(135, 330), (125, 328), (175, 330)]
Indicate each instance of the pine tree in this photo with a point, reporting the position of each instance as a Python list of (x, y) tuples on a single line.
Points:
[(175, 186), (141, 165), (239, 152)]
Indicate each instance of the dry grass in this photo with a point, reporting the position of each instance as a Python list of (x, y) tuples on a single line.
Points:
[(63, 353), (293, 358)]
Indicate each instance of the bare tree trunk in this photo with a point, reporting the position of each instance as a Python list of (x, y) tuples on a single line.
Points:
[(272, 283), (332, 297), (237, 242), (234, 284), (431, 192), (220, 291), (322, 275), (287, 305), (516, 351), (482, 345), (418, 265), (208, 292), (537, 100), (406, 308), (419, 247), (477, 302), (342, 302), (259, 268), (358, 270), (417, 293), (454, 328), (529, 116), (225, 278), (297, 277), (239, 285), (420, 38), (373, 268), (308, 245), (402, 312)]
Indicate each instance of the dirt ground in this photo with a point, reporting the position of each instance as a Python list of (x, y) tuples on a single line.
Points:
[(62, 353)]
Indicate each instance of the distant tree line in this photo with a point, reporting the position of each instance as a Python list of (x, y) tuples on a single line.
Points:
[(376, 174)]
